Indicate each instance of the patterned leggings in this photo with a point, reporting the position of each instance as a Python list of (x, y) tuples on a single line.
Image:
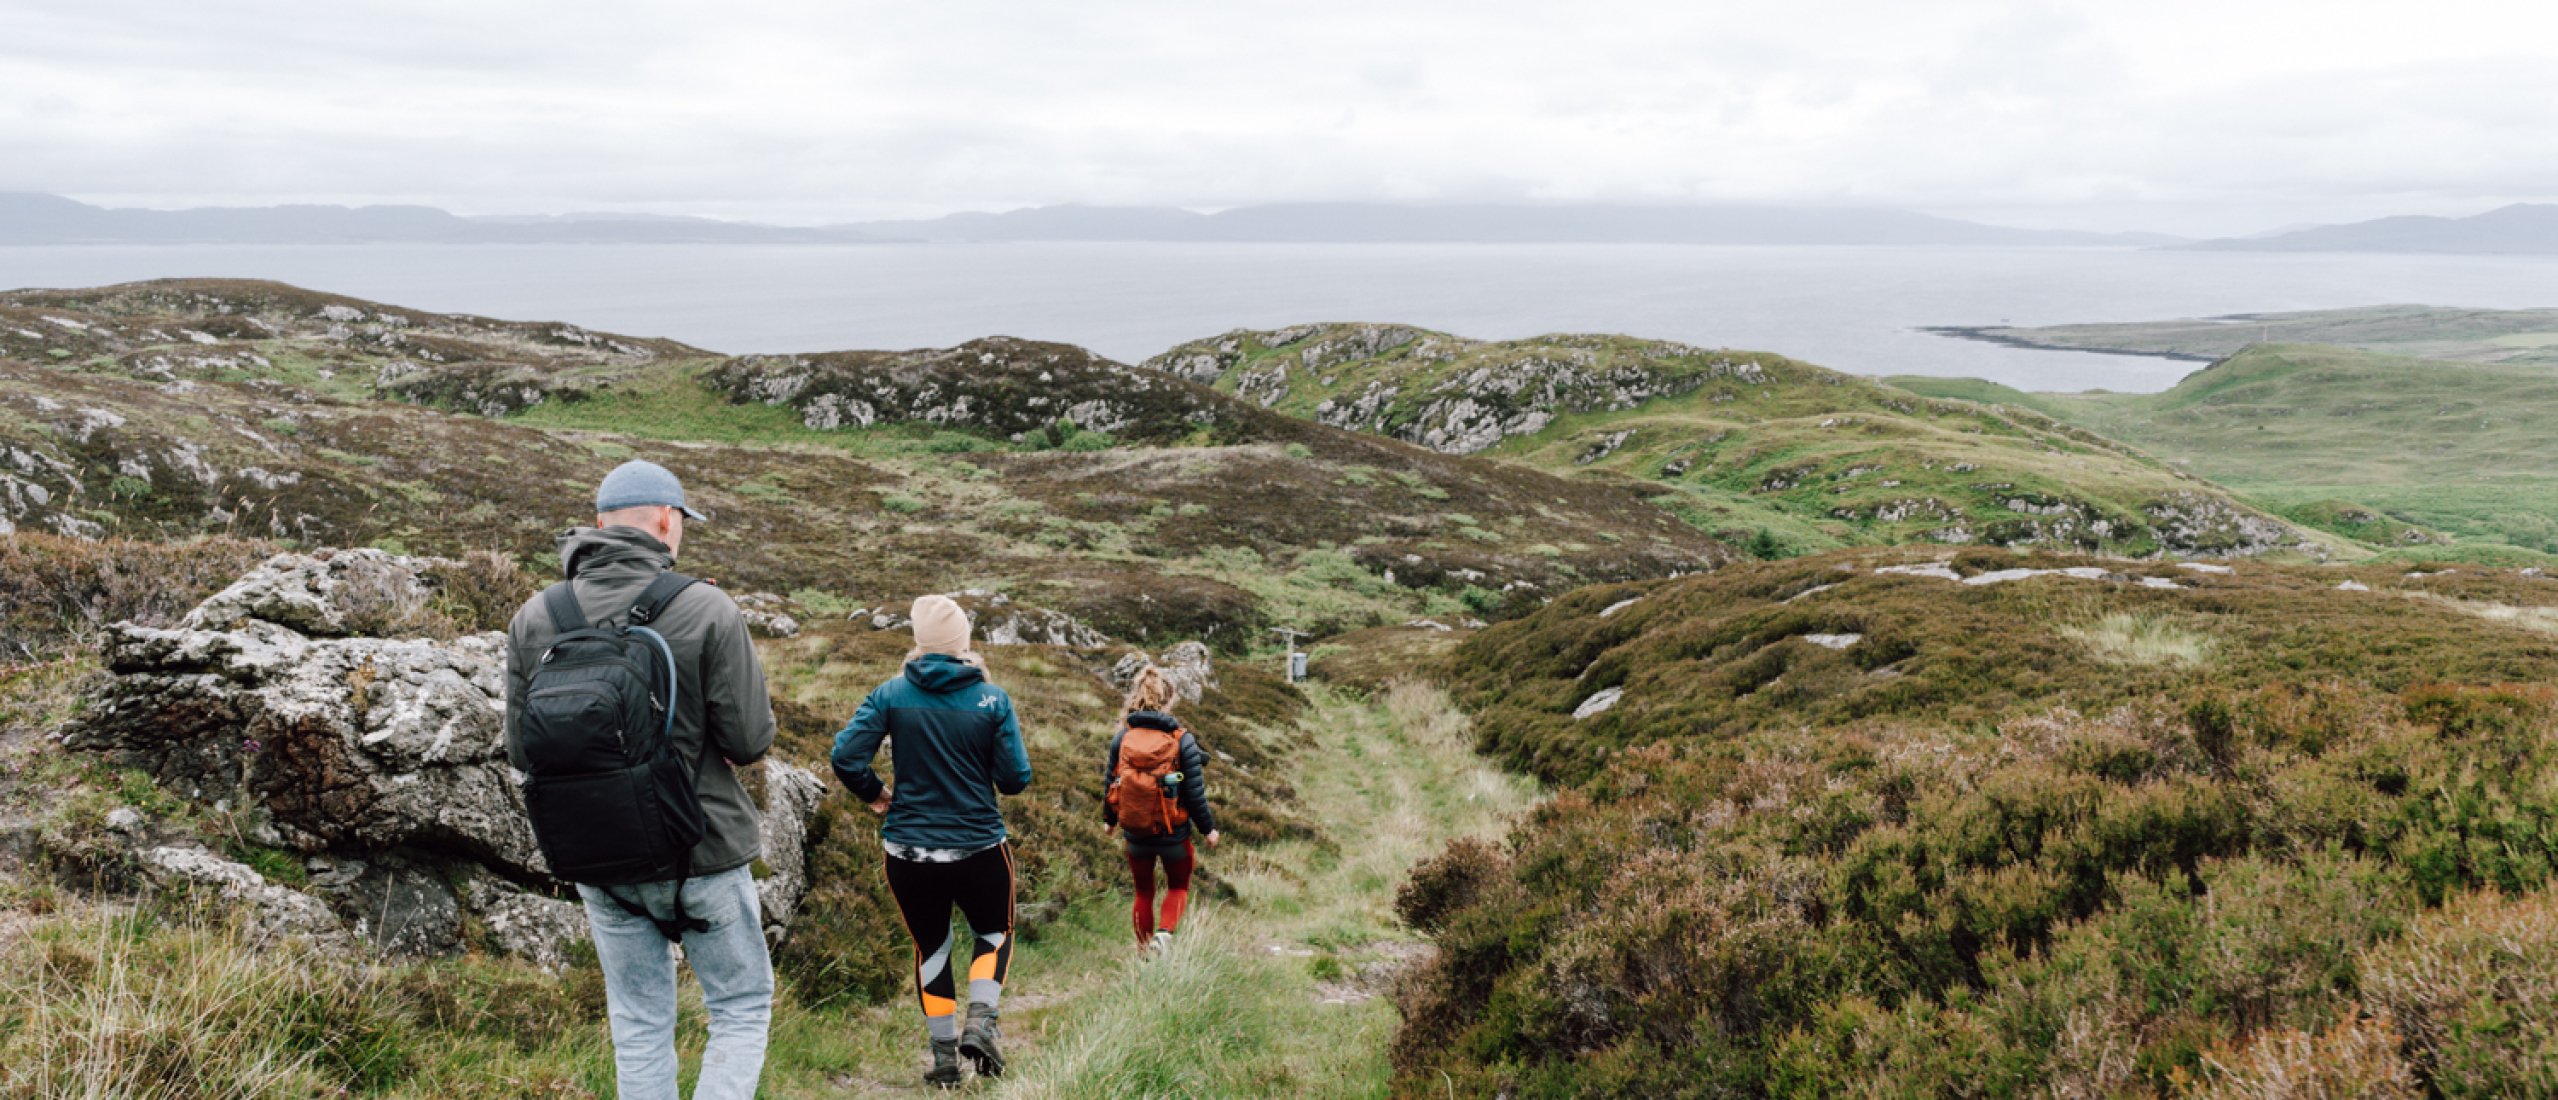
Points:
[(982, 887)]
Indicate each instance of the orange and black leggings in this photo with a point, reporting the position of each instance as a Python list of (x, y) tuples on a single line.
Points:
[(981, 886), (1177, 864)]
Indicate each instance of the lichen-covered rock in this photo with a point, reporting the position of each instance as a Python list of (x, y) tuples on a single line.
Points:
[(528, 926), (791, 796), (2209, 526), (1449, 394), (1188, 665), (767, 615), (380, 760), (332, 595), (997, 620), (335, 742), (491, 389), (273, 911), (1000, 387)]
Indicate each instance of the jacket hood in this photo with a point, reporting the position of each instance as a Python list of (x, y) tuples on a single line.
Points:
[(602, 551), (1153, 720), (941, 673)]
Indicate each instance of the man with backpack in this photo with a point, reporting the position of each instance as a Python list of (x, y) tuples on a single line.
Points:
[(633, 695)]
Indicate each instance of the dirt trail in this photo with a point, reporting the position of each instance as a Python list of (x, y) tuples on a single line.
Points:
[(1276, 992)]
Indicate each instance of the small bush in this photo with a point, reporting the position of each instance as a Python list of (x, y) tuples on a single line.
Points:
[(57, 592), (2474, 988)]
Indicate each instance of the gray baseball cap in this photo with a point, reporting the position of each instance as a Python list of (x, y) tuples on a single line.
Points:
[(637, 483)]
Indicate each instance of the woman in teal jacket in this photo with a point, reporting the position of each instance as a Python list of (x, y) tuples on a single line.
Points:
[(955, 742)]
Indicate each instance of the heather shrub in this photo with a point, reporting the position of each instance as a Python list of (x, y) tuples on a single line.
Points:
[(1452, 880), (2353, 1059), (1983, 858), (56, 593), (2474, 989)]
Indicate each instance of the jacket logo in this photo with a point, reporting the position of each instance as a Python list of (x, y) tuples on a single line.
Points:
[(986, 702)]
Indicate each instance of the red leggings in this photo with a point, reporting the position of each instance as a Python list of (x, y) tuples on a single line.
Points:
[(1177, 866)]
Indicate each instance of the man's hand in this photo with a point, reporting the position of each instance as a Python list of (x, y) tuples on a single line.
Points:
[(1108, 829), (879, 805), (1211, 838)]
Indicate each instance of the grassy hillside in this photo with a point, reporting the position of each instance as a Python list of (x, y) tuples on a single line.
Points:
[(2385, 449), (1757, 448), (1864, 825), (2517, 336), (1135, 502)]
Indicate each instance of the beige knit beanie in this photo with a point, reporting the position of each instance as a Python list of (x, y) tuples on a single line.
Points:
[(940, 626)]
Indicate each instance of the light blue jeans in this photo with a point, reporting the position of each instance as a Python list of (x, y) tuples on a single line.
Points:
[(639, 984)]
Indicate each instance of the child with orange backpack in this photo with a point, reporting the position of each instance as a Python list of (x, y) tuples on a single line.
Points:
[(1155, 791)]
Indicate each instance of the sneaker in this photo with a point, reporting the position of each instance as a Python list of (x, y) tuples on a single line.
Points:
[(945, 1071), (977, 1041), (1163, 940)]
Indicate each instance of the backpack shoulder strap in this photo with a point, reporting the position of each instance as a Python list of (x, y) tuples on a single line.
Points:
[(561, 600), (660, 592)]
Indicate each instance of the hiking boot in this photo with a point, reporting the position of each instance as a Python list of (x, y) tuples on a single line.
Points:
[(977, 1041), (945, 1071)]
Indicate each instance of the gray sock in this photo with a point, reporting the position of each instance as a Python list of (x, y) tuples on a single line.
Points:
[(944, 1028), (985, 991)]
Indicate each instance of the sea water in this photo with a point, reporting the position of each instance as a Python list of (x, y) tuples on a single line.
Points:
[(1855, 309)]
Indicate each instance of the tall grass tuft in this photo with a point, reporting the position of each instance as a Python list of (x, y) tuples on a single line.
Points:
[(114, 1005), (2126, 638)]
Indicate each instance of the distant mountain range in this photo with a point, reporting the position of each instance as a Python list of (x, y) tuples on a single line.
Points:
[(27, 218), (1491, 224), (2520, 228)]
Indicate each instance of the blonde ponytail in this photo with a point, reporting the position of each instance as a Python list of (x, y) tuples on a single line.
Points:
[(1151, 690)]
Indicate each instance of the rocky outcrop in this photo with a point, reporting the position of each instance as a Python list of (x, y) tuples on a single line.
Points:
[(1188, 665), (479, 387), (379, 760), (274, 910), (996, 619), (1002, 387), (1449, 394), (2205, 525)]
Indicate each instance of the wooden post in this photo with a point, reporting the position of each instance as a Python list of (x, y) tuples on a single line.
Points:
[(1296, 667)]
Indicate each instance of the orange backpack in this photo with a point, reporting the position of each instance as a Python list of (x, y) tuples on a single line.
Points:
[(1146, 792)]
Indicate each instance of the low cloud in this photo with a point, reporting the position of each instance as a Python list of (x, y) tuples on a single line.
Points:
[(2199, 117)]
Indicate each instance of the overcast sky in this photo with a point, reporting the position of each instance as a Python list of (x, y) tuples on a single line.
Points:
[(2199, 117)]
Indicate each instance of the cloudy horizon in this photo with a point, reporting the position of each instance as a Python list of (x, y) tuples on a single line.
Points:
[(2178, 117)]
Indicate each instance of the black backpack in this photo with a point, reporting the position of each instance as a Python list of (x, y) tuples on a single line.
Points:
[(612, 803)]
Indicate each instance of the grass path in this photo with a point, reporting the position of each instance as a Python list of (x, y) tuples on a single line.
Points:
[(1278, 991)]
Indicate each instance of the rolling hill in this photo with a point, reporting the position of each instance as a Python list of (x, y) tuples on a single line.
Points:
[(2382, 448), (1879, 823), (2519, 228), (1749, 445), (165, 410), (2425, 332)]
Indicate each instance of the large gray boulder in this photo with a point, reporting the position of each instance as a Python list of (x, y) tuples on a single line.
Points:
[(380, 760)]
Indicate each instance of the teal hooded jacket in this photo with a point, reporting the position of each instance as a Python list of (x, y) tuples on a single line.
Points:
[(954, 743)]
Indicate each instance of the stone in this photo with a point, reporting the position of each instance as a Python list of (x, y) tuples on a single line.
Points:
[(1597, 703), (381, 760), (1188, 665), (331, 595), (791, 797), (528, 926), (274, 910)]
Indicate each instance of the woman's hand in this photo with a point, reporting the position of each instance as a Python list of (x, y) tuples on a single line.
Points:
[(879, 805), (1211, 838)]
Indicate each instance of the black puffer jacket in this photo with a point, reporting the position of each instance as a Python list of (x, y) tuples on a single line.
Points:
[(1194, 782)]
